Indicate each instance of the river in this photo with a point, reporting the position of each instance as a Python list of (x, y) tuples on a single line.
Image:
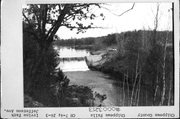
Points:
[(79, 74)]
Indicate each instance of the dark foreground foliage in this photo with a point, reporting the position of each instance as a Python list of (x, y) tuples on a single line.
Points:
[(72, 96), (44, 85)]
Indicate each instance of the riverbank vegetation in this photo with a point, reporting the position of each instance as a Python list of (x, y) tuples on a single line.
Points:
[(143, 63), (143, 60)]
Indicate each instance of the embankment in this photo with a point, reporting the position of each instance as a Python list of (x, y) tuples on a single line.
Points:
[(104, 61)]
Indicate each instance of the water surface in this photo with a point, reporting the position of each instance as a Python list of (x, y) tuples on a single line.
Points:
[(70, 54)]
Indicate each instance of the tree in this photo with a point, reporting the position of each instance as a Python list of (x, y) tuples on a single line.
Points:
[(44, 20), (41, 16), (40, 24)]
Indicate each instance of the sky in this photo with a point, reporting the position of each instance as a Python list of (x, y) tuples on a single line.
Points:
[(140, 17)]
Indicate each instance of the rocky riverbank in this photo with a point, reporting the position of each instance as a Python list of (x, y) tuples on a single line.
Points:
[(97, 59), (74, 96), (106, 61)]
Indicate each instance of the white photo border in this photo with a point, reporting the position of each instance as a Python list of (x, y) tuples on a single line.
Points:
[(12, 66)]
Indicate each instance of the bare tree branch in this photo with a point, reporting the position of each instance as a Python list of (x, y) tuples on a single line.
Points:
[(26, 18), (50, 30), (44, 18), (122, 12), (59, 22), (127, 10), (156, 18), (31, 26)]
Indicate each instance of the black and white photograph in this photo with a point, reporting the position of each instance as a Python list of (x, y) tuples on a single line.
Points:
[(89, 59), (98, 54)]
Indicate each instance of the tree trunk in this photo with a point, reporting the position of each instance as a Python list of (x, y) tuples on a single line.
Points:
[(139, 88), (136, 76), (123, 90), (156, 88), (146, 97), (164, 73), (136, 93), (127, 88), (170, 88)]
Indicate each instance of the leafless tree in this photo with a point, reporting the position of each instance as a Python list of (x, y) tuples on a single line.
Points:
[(164, 71), (136, 78)]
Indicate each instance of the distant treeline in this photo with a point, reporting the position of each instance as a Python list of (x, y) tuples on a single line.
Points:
[(106, 40), (110, 39)]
